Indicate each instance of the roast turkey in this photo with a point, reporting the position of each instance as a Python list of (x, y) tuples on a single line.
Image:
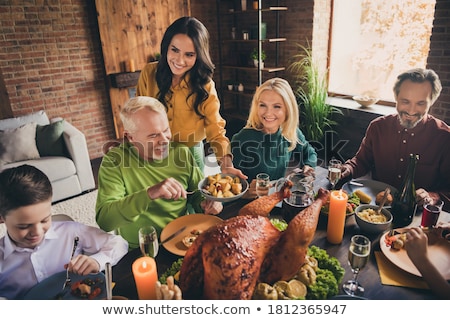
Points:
[(229, 259)]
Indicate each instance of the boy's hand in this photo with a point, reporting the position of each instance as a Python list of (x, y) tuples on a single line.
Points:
[(83, 265)]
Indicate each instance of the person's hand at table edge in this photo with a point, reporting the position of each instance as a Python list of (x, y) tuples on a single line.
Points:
[(226, 167), (211, 207)]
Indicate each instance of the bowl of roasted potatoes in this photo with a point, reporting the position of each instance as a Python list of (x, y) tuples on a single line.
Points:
[(223, 187)]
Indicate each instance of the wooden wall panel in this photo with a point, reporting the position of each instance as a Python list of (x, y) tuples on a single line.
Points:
[(5, 105), (132, 30)]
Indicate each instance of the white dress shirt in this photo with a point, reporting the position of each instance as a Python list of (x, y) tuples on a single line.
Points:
[(22, 268)]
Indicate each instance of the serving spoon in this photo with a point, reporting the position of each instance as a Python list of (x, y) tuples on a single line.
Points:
[(387, 191)]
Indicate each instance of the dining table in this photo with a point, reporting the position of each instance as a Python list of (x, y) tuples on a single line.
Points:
[(369, 276)]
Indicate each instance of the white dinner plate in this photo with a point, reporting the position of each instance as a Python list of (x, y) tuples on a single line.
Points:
[(197, 221), (370, 187), (50, 288), (439, 252)]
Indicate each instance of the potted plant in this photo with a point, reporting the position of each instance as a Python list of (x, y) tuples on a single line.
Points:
[(254, 57), (155, 57), (312, 92)]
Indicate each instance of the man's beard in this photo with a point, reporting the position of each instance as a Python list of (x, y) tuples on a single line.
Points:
[(163, 152), (408, 124)]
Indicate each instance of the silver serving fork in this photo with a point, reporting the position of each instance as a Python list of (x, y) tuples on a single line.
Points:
[(74, 247)]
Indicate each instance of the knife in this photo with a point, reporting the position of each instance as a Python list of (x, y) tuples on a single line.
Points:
[(108, 274), (173, 235)]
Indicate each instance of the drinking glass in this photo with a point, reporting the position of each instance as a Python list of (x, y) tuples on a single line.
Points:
[(358, 255), (148, 241), (430, 214), (334, 172), (262, 184)]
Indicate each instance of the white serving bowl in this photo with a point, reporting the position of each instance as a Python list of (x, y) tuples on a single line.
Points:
[(365, 101), (372, 227)]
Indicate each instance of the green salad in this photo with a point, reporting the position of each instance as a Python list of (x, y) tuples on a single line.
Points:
[(280, 224), (172, 271), (352, 202), (328, 275)]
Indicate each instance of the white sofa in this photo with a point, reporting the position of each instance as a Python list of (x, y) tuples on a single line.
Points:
[(70, 172)]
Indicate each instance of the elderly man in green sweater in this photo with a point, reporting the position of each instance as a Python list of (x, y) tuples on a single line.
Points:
[(144, 180)]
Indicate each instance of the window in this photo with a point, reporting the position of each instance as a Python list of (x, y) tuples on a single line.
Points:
[(373, 41)]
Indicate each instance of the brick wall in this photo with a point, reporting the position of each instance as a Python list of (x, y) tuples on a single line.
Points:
[(439, 57), (50, 58), (297, 24)]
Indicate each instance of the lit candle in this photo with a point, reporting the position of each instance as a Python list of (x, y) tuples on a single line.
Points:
[(336, 216), (145, 276)]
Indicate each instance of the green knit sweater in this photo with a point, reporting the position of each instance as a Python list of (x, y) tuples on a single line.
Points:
[(255, 151), (123, 179)]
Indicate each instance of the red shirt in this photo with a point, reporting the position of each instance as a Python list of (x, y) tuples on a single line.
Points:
[(386, 147)]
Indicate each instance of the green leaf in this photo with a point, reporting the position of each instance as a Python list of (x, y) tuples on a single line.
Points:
[(312, 92)]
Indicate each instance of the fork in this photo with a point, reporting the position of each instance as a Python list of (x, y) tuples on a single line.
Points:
[(194, 191), (74, 247)]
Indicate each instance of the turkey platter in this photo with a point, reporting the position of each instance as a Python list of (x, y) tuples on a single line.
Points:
[(229, 259)]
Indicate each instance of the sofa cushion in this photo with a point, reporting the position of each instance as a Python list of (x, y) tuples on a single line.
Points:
[(56, 168), (39, 118), (49, 139), (18, 144)]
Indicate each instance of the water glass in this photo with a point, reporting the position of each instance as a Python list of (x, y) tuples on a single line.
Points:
[(262, 184), (148, 241)]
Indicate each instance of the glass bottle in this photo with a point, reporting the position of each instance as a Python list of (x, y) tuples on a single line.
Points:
[(404, 202)]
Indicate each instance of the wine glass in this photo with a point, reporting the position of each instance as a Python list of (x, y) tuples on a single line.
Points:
[(262, 184), (334, 172), (148, 241), (358, 255)]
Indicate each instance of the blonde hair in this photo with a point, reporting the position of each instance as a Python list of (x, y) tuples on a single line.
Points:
[(290, 125), (135, 104)]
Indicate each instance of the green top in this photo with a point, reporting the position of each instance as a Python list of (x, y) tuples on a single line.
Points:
[(255, 151), (123, 179)]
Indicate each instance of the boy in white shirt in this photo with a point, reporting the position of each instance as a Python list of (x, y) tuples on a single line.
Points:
[(34, 248)]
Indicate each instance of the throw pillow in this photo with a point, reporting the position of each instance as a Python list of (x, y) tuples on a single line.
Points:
[(39, 117), (18, 144), (49, 139)]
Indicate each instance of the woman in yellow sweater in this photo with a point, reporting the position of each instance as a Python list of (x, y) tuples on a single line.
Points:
[(182, 81)]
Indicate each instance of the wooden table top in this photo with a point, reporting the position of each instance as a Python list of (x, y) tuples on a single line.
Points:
[(369, 277)]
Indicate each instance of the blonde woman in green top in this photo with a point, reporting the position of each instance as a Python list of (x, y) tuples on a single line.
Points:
[(144, 180), (271, 139)]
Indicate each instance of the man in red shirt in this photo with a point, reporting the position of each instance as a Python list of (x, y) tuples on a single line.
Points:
[(389, 140)]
